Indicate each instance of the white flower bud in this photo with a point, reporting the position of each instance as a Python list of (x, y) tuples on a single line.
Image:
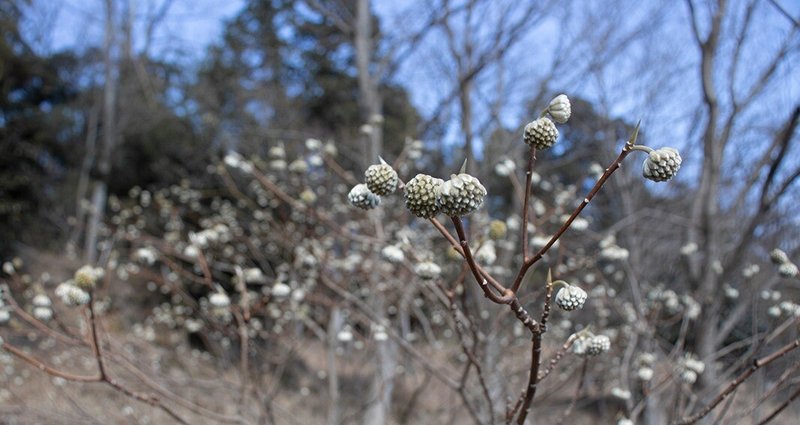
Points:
[(43, 313), (71, 295), (560, 109), (571, 298), (219, 300), (360, 196), (392, 254), (281, 290), (427, 270), (41, 300)]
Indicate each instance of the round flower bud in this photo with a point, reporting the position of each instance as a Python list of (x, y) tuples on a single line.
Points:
[(86, 278), (43, 313), (5, 316), (461, 195), (427, 270), (361, 197), (598, 345), (498, 229), (71, 295), (277, 151), (689, 376), (661, 164), (219, 300), (281, 290), (420, 195), (778, 256), (645, 373), (393, 254), (541, 133), (345, 335), (41, 300), (560, 109), (571, 298), (788, 270), (381, 179)]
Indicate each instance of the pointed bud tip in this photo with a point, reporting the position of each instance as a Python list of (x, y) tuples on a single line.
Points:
[(635, 134)]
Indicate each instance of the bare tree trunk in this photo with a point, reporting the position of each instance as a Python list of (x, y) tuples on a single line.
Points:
[(100, 190), (83, 181), (380, 392), (704, 230), (370, 101), (334, 326), (382, 386)]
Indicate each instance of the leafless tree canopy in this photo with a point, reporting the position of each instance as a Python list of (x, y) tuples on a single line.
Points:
[(433, 211)]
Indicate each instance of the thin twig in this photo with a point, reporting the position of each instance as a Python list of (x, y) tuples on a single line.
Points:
[(780, 408), (574, 401), (629, 147), (757, 364), (482, 282), (526, 201)]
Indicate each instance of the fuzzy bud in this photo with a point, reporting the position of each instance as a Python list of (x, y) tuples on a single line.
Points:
[(788, 270), (461, 195), (86, 278), (571, 298), (71, 295), (43, 313), (598, 345), (541, 133), (427, 270), (661, 164), (41, 300), (360, 196), (219, 300), (420, 195), (778, 256), (498, 229), (381, 179), (560, 109)]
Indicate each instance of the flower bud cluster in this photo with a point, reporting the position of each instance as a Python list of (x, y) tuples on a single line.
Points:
[(661, 164), (381, 179), (87, 276), (427, 270), (361, 197), (786, 268), (424, 195), (42, 307), (420, 195), (461, 195), (72, 295), (542, 133), (5, 315), (689, 368), (571, 298), (590, 345)]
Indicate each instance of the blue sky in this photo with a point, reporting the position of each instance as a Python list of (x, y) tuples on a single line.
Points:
[(191, 25), (187, 29)]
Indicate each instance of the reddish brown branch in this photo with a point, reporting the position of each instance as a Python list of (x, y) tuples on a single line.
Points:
[(530, 392), (482, 281), (457, 246), (526, 201), (538, 256), (38, 364)]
